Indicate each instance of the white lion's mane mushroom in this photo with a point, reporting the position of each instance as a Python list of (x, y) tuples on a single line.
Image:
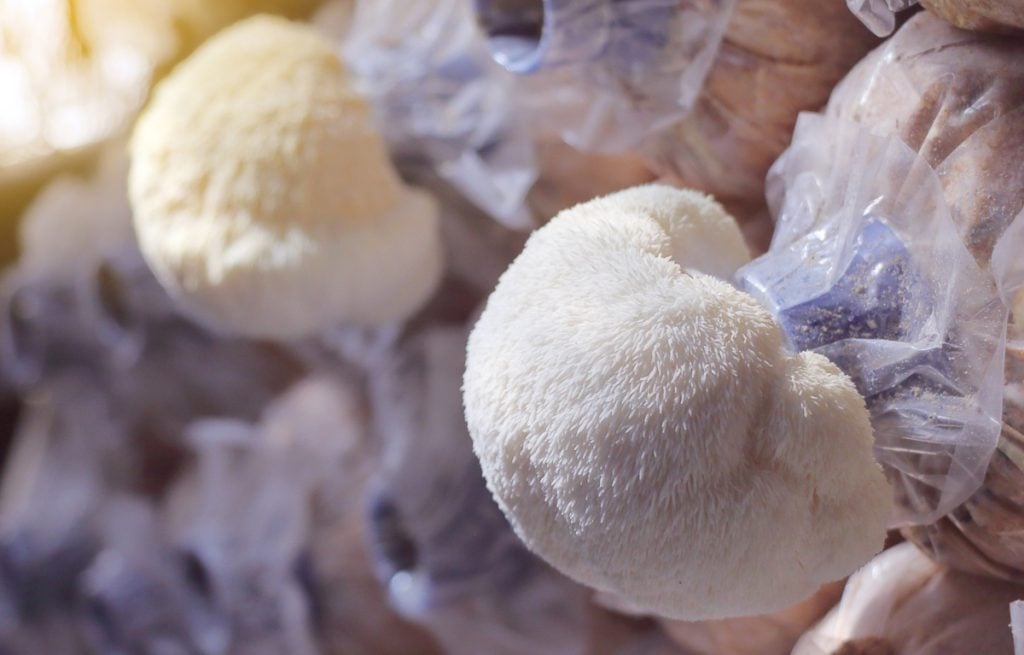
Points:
[(645, 431), (264, 198)]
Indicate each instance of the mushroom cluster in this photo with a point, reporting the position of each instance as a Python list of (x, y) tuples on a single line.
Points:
[(454, 327)]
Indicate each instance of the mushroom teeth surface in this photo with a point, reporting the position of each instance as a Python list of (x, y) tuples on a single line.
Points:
[(645, 431), (264, 198)]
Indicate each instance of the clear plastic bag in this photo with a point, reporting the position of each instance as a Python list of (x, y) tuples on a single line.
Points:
[(902, 602), (867, 268), (985, 535), (889, 205), (442, 546), (608, 74), (268, 532), (1000, 16), (956, 98), (778, 58), (1017, 626), (879, 15), (439, 97)]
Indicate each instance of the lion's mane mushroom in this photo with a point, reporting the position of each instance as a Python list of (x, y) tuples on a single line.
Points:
[(265, 199), (644, 429)]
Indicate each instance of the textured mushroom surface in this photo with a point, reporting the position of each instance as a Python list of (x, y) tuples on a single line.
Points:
[(643, 428), (265, 199)]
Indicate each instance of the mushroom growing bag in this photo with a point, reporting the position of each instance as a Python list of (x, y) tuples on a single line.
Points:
[(442, 547), (903, 603), (879, 16), (440, 99), (888, 207), (985, 534), (605, 75)]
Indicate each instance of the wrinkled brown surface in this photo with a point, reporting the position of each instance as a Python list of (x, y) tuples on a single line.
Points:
[(902, 604), (768, 634), (568, 177), (985, 15), (866, 646), (956, 97), (778, 58)]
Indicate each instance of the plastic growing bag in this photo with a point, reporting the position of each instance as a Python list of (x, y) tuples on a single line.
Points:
[(866, 268), (985, 535), (902, 602), (888, 209), (1017, 626), (1003, 16), (607, 74), (442, 546), (266, 526), (778, 58), (439, 97), (879, 15)]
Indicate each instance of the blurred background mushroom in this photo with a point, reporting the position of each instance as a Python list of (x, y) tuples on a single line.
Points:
[(248, 196), (73, 73)]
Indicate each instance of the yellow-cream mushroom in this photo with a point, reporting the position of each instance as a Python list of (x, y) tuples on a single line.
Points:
[(264, 198)]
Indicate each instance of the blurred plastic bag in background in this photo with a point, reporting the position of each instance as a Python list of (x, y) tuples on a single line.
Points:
[(607, 74), (439, 97), (442, 546)]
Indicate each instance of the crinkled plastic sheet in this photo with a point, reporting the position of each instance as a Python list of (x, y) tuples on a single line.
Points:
[(232, 560), (1017, 626), (985, 535), (442, 546), (867, 268), (53, 487), (902, 602), (439, 97), (1008, 270), (239, 522), (609, 72), (956, 98), (879, 15)]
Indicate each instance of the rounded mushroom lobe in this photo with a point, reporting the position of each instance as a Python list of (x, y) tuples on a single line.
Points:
[(644, 429), (264, 198)]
